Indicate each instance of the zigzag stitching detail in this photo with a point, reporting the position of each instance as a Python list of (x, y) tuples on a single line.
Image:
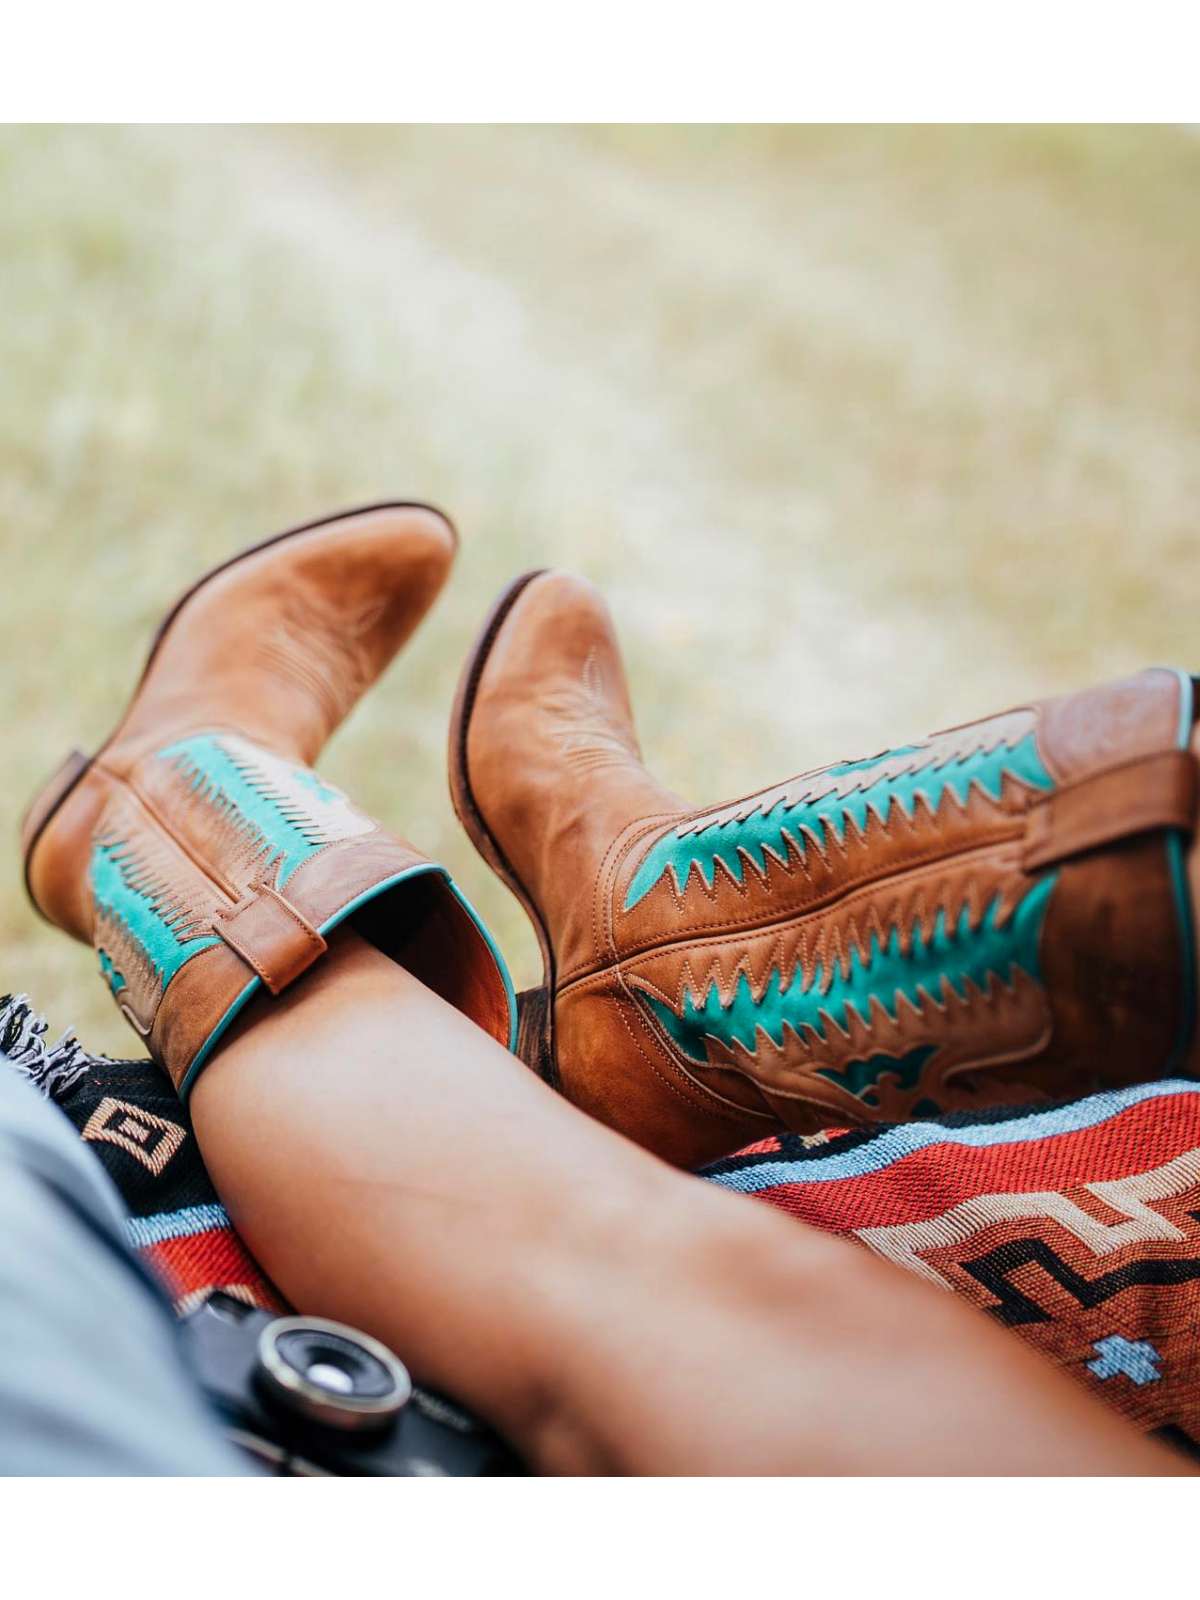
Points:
[(947, 997), (828, 1030), (164, 902), (844, 932), (834, 831), (127, 959), (838, 831), (254, 852), (288, 808), (958, 984), (145, 926), (834, 1052), (842, 778)]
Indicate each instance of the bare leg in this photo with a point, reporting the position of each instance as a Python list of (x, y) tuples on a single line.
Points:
[(390, 1165)]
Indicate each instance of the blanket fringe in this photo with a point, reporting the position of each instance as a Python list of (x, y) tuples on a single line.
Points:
[(53, 1069)]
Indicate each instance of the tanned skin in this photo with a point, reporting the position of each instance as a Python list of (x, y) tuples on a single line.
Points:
[(393, 1167)]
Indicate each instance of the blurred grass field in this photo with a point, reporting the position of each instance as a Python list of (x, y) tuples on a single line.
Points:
[(863, 431)]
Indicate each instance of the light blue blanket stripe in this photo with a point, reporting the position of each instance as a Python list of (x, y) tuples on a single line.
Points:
[(143, 1231), (910, 1136)]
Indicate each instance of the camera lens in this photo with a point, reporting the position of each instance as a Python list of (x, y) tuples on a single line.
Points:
[(328, 1373)]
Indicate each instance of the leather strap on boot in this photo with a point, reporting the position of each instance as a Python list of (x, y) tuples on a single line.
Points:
[(1150, 792), (218, 868)]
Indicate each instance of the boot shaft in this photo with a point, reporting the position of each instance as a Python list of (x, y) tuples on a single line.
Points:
[(1007, 897)]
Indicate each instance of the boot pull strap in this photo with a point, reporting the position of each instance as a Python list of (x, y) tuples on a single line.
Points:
[(1157, 791), (271, 936)]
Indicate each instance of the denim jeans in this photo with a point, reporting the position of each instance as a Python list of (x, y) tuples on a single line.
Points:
[(92, 1378)]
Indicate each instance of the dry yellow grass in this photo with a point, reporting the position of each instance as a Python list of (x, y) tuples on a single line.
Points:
[(863, 430)]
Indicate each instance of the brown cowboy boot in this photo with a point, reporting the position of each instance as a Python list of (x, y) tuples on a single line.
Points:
[(1000, 912), (197, 850)]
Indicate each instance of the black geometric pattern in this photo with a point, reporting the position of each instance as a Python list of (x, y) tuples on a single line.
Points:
[(1014, 1307)]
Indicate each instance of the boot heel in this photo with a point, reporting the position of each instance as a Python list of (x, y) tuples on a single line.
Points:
[(48, 800), (535, 1033)]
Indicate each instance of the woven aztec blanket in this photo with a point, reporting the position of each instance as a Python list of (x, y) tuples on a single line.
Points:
[(130, 1116), (1076, 1226)]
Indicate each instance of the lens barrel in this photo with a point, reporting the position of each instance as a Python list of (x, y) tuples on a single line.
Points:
[(326, 1373)]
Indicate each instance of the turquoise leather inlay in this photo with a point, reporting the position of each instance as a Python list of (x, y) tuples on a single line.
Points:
[(951, 954), (114, 979), (862, 1077), (155, 928), (284, 810), (741, 839)]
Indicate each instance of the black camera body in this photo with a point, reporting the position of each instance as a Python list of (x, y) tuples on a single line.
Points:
[(312, 1398)]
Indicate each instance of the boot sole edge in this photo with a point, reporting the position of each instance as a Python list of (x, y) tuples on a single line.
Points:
[(535, 1006)]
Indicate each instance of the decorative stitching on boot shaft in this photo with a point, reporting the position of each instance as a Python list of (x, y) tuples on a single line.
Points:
[(278, 814), (153, 914), (931, 967), (815, 812), (324, 650), (145, 927)]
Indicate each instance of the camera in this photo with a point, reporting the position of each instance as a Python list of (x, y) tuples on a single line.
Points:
[(312, 1398)]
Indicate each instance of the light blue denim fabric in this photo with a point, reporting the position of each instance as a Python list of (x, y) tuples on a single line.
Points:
[(92, 1378)]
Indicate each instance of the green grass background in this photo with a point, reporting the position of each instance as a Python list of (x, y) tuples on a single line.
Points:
[(863, 431)]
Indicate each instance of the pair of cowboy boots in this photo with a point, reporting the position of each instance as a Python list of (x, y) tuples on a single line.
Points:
[(1001, 912)]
